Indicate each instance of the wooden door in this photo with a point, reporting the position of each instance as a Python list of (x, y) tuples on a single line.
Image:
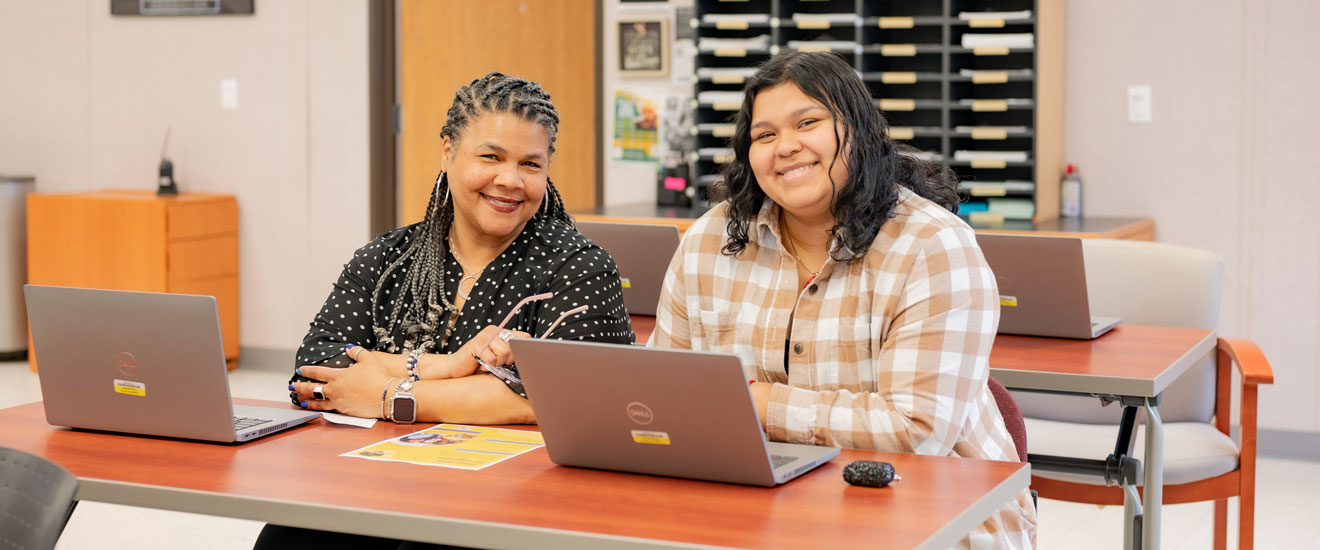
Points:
[(445, 44)]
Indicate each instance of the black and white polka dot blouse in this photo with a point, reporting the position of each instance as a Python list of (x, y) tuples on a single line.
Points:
[(546, 257)]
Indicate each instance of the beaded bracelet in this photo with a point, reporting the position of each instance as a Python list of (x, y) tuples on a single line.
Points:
[(383, 393), (412, 364)]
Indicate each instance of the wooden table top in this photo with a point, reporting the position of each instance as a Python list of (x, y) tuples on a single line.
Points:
[(1134, 360), (643, 326), (297, 478)]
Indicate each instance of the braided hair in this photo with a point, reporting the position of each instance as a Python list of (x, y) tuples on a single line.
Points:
[(421, 305)]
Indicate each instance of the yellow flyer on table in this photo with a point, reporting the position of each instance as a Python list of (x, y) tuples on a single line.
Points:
[(453, 446)]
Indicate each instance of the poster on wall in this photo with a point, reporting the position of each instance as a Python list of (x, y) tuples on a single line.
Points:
[(636, 125), (643, 47), (677, 129)]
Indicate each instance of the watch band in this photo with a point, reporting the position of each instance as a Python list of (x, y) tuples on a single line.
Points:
[(403, 407)]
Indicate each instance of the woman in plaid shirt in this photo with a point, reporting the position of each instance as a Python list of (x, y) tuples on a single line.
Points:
[(837, 270)]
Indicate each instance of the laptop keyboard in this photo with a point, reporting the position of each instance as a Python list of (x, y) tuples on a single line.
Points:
[(243, 423), (780, 460)]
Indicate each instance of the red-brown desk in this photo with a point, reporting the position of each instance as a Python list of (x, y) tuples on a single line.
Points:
[(1131, 364), (297, 478)]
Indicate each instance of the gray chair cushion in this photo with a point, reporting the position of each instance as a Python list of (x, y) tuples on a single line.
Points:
[(1192, 450)]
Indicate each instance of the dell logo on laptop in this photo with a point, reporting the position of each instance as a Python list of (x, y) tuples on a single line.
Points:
[(126, 363), (640, 413)]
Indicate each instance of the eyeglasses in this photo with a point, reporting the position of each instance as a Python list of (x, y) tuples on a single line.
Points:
[(506, 373)]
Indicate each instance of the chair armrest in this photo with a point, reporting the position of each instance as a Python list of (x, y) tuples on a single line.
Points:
[(1250, 360)]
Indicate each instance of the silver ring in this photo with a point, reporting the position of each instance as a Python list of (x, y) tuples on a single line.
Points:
[(506, 335), (318, 392)]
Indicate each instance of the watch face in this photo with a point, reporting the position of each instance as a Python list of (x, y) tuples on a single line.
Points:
[(405, 409)]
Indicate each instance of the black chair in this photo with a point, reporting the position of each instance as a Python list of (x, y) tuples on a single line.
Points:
[(36, 500)]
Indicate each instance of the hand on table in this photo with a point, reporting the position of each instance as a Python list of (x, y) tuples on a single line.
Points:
[(353, 390)]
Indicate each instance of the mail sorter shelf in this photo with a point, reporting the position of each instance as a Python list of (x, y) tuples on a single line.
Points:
[(953, 78)]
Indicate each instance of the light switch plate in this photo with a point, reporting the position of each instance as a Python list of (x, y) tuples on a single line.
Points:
[(1139, 103), (229, 94)]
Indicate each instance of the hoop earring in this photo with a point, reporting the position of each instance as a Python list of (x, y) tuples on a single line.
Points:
[(443, 178), (547, 199)]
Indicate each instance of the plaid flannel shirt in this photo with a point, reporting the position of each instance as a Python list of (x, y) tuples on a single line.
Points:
[(889, 352)]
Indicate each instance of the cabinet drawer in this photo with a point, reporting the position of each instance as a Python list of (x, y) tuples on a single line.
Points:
[(202, 218), (202, 259)]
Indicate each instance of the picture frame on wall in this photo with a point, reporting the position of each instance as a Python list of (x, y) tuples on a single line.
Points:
[(644, 47)]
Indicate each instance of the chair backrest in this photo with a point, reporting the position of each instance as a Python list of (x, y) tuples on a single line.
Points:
[(36, 499), (1155, 284), (1017, 428)]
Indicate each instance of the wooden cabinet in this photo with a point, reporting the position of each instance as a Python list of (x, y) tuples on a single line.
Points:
[(130, 240)]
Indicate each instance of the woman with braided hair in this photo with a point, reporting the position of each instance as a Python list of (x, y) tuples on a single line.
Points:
[(432, 293), (414, 306)]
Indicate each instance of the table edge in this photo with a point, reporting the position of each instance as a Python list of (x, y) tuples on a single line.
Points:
[(1073, 383), (1180, 366), (363, 521), (990, 503), (1095, 384)]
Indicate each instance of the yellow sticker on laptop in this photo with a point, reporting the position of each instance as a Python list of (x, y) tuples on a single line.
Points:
[(129, 387), (1007, 301), (650, 438)]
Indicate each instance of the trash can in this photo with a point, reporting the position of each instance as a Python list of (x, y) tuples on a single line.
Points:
[(13, 264)]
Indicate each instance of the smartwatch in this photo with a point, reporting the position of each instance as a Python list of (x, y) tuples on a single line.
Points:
[(404, 405)]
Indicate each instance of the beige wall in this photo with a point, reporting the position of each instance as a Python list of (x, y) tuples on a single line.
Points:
[(1229, 163), (86, 98)]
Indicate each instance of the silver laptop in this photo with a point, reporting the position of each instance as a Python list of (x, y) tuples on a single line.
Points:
[(142, 363), (1042, 286), (649, 411), (642, 252)]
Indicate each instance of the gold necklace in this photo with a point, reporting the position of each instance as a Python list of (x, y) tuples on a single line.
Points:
[(792, 249)]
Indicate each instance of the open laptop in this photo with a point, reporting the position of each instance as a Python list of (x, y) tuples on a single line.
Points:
[(1042, 286), (142, 363), (649, 411), (642, 252)]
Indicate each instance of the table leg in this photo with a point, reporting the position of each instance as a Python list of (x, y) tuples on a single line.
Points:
[(1153, 484), (1130, 512)]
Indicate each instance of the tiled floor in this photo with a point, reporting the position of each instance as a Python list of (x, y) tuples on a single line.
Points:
[(1286, 509)]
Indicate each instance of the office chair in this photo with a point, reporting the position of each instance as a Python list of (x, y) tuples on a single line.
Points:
[(36, 500), (1156, 284), (1008, 408)]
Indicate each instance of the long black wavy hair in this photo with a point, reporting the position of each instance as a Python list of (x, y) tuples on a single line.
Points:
[(876, 165)]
